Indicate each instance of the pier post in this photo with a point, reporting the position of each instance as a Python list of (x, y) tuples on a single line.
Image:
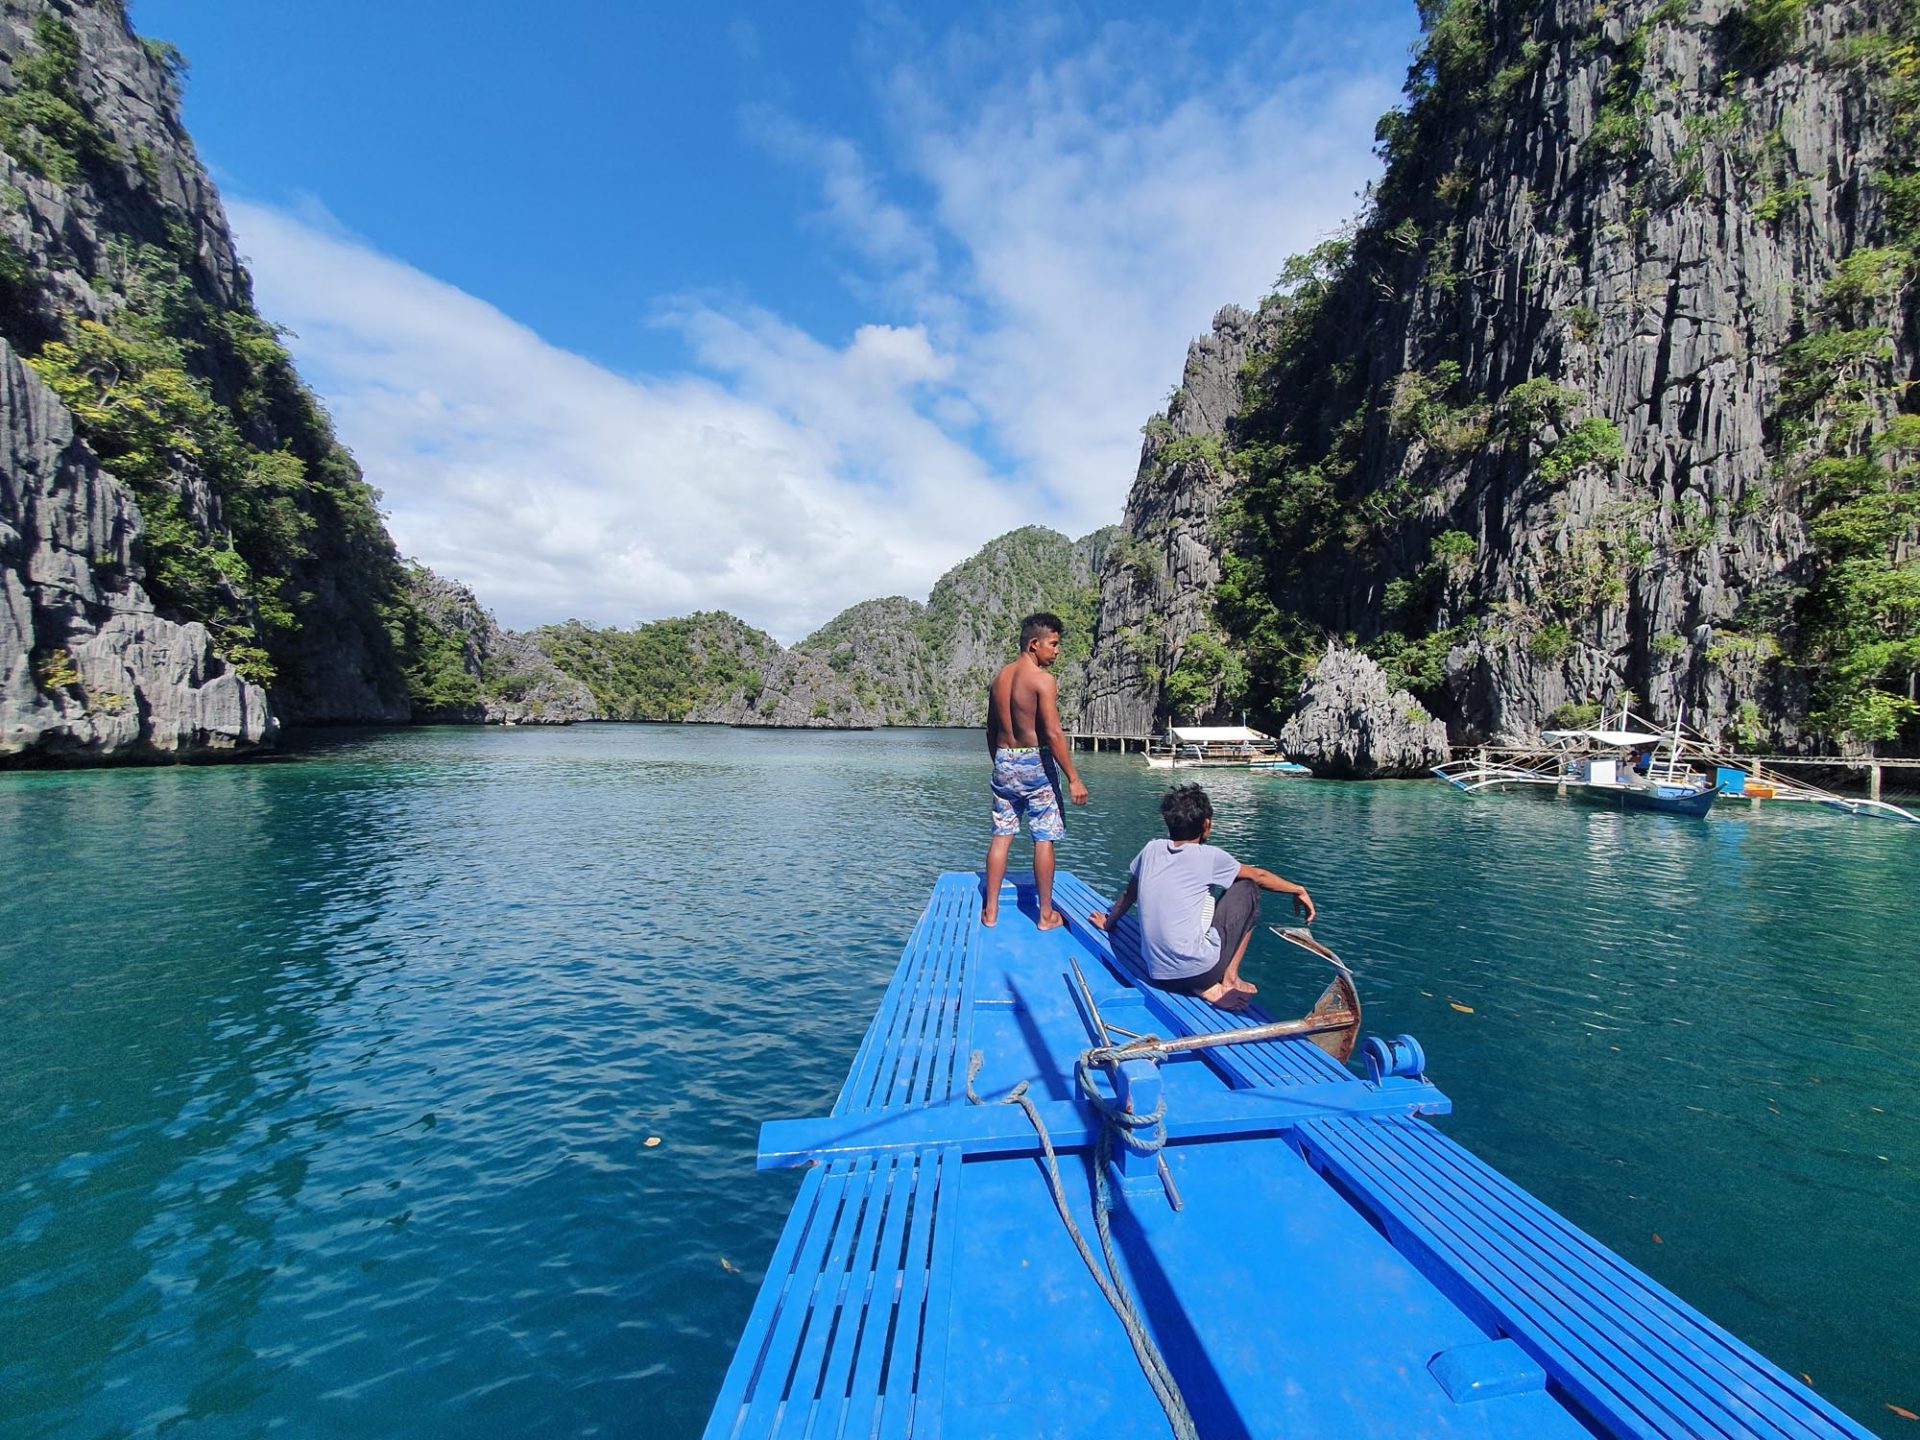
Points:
[(1873, 781)]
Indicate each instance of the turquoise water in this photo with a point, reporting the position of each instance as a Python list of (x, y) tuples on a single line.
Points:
[(327, 1082)]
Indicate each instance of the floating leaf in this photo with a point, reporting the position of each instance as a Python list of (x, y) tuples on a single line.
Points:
[(1656, 1238), (651, 1141), (1903, 1412), (1806, 1377), (728, 1266), (1463, 1009)]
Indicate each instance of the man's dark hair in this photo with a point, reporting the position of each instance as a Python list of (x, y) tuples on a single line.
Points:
[(1040, 623), (1186, 810)]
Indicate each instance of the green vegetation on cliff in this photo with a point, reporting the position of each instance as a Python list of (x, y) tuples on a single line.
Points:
[(664, 670), (930, 665)]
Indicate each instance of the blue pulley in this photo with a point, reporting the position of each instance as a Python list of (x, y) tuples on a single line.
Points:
[(1400, 1056)]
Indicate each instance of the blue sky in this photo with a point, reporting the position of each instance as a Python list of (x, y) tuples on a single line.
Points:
[(632, 310)]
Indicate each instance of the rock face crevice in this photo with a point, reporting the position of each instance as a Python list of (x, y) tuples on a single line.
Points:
[(88, 671)]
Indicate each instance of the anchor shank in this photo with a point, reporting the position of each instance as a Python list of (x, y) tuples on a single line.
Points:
[(1323, 1023)]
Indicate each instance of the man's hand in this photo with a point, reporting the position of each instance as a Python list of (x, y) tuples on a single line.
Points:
[(1303, 904), (1097, 919), (1077, 790)]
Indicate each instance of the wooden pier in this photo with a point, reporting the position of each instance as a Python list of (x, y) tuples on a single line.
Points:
[(1110, 742)]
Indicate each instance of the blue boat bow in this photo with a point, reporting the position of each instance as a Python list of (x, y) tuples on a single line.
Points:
[(1306, 1252)]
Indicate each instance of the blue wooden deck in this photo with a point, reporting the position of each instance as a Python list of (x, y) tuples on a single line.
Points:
[(1339, 1267)]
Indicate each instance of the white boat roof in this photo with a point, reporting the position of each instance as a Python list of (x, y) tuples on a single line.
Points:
[(1604, 737), (1218, 735)]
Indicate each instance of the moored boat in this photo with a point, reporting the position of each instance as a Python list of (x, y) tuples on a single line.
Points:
[(1622, 768), (1216, 747), (1031, 1214)]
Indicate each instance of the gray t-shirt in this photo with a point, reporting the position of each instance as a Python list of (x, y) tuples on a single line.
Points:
[(1177, 938)]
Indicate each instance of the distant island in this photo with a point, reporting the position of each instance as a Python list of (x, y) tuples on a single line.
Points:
[(889, 661)]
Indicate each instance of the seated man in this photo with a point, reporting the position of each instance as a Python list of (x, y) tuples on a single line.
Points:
[(1190, 943)]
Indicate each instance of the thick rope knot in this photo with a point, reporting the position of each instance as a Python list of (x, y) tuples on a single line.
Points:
[(1121, 1122), (1126, 1125)]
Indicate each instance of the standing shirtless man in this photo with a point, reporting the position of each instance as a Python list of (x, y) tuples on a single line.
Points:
[(1026, 742)]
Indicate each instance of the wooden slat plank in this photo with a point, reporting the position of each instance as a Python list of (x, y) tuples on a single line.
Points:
[(956, 1077), (1551, 1316), (1612, 1358), (729, 1408), (1462, 1280), (867, 1296), (939, 989), (897, 1411), (917, 1030), (888, 1053), (862, 1078), (937, 1328), (919, 1037), (863, 1405), (829, 1304), (1653, 1316), (795, 1308)]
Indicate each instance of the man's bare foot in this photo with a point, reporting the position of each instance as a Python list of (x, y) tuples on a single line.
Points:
[(989, 915), (1051, 920), (1225, 997)]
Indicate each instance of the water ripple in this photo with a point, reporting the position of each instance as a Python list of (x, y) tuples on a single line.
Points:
[(330, 1083)]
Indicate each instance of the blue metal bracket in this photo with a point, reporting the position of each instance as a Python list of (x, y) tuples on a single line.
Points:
[(983, 1130)]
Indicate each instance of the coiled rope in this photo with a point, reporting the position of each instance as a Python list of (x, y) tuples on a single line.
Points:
[(1144, 1134)]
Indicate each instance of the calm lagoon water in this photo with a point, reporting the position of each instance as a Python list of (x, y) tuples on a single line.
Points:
[(326, 1083)]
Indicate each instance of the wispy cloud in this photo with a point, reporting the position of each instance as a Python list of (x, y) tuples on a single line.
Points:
[(1035, 241)]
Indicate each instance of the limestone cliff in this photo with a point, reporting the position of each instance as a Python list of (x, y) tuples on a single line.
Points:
[(1601, 394), (1156, 588), (1352, 725), (88, 671), (247, 527)]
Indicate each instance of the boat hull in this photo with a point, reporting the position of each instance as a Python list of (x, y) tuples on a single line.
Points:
[(1657, 799)]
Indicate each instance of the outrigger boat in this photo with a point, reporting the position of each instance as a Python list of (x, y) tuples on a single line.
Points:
[(1054, 1201), (1623, 768), (1219, 747), (1596, 766)]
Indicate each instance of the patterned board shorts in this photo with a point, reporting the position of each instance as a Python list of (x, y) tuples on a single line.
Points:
[(1024, 784)]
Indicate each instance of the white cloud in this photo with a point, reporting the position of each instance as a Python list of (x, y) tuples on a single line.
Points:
[(1035, 243), (555, 487)]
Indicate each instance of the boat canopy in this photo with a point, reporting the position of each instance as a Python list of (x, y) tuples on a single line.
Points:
[(1603, 737), (1219, 735)]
